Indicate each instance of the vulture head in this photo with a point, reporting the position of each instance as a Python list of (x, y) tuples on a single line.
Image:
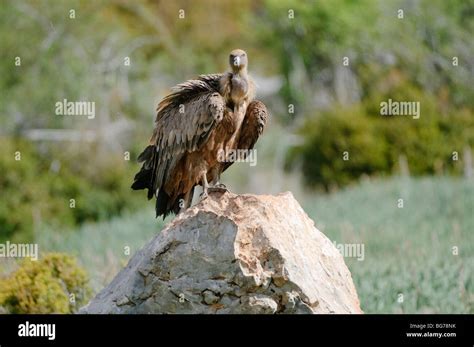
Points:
[(238, 60)]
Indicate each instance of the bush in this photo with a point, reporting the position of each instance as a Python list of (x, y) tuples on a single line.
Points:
[(37, 189), (45, 286), (329, 139), (375, 143)]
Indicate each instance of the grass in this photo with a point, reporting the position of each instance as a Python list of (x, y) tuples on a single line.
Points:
[(408, 251), (103, 248)]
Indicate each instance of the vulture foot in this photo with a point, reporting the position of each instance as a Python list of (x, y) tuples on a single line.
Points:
[(218, 190), (219, 187)]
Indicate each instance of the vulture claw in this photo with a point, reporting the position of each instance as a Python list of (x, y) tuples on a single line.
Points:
[(219, 187)]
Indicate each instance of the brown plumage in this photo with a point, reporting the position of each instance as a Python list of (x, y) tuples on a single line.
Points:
[(197, 121)]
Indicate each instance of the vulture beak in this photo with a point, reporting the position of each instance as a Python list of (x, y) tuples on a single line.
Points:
[(237, 61)]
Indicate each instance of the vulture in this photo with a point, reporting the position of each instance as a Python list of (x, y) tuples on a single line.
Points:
[(199, 120)]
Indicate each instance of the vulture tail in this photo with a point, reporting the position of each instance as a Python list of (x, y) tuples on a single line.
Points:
[(165, 205), (162, 204), (183, 201), (144, 178), (177, 204)]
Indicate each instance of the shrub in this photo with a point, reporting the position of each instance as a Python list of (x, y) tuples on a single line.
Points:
[(375, 143), (45, 286), (37, 189), (327, 139), (20, 189)]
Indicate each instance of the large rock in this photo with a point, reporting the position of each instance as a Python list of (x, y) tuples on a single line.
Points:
[(234, 254)]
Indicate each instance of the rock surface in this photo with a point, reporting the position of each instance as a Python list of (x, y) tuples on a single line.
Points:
[(234, 254)]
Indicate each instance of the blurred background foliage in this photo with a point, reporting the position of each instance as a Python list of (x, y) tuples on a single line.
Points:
[(54, 284), (320, 110)]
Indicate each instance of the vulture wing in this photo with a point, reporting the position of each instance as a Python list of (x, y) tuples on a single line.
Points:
[(255, 120), (185, 119)]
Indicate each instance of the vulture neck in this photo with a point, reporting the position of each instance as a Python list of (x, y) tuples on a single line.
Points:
[(240, 105), (240, 72)]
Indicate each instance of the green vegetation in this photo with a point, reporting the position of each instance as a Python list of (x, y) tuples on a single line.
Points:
[(379, 44), (38, 187), (105, 247), (54, 284), (344, 50), (346, 143), (408, 250)]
